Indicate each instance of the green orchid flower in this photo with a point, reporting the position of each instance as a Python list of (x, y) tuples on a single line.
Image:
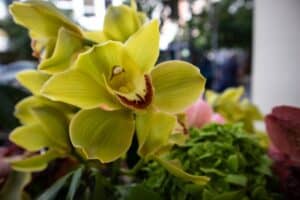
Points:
[(56, 40), (120, 22), (32, 80), (234, 108), (44, 132), (120, 91)]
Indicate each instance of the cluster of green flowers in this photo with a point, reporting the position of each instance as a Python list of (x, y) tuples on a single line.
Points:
[(237, 164), (92, 91)]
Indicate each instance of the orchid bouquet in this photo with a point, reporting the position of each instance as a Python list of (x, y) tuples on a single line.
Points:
[(93, 92), (109, 122)]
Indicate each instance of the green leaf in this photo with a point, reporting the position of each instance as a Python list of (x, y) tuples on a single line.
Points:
[(236, 179), (233, 162), (33, 80), (74, 183), (139, 192), (101, 188), (103, 135), (177, 85), (120, 22), (141, 50), (24, 109), (14, 185), (52, 191), (153, 131), (234, 195), (79, 89), (68, 46), (35, 163), (177, 171)]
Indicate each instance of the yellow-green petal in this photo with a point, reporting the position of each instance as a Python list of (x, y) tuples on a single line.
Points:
[(31, 137), (35, 163), (231, 95), (55, 125), (95, 36), (175, 169), (153, 131), (177, 85), (41, 18), (211, 97), (67, 48), (102, 135), (32, 80), (143, 46), (120, 22), (101, 59), (79, 89), (23, 110)]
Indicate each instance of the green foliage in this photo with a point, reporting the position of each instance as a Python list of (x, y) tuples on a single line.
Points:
[(137, 192), (233, 29), (238, 166), (13, 188)]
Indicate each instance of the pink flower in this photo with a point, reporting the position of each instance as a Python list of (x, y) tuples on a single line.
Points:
[(201, 113), (217, 118)]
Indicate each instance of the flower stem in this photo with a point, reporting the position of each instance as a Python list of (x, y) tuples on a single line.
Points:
[(135, 169)]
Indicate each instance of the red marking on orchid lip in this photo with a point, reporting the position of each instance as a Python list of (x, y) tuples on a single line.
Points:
[(141, 102), (184, 128)]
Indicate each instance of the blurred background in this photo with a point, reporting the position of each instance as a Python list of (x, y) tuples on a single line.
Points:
[(233, 42)]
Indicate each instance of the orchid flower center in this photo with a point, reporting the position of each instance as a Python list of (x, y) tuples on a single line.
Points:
[(120, 80)]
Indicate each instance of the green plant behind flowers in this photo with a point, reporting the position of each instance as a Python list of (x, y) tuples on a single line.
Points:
[(238, 166), (93, 91)]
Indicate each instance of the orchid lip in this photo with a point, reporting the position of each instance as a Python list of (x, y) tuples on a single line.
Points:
[(140, 102)]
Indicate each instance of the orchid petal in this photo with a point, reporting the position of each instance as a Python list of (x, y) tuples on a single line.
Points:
[(177, 85), (41, 18), (31, 137), (23, 110), (55, 125), (43, 21), (79, 89), (95, 36), (153, 131), (33, 80), (35, 163), (145, 53), (103, 135), (120, 22), (67, 47)]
